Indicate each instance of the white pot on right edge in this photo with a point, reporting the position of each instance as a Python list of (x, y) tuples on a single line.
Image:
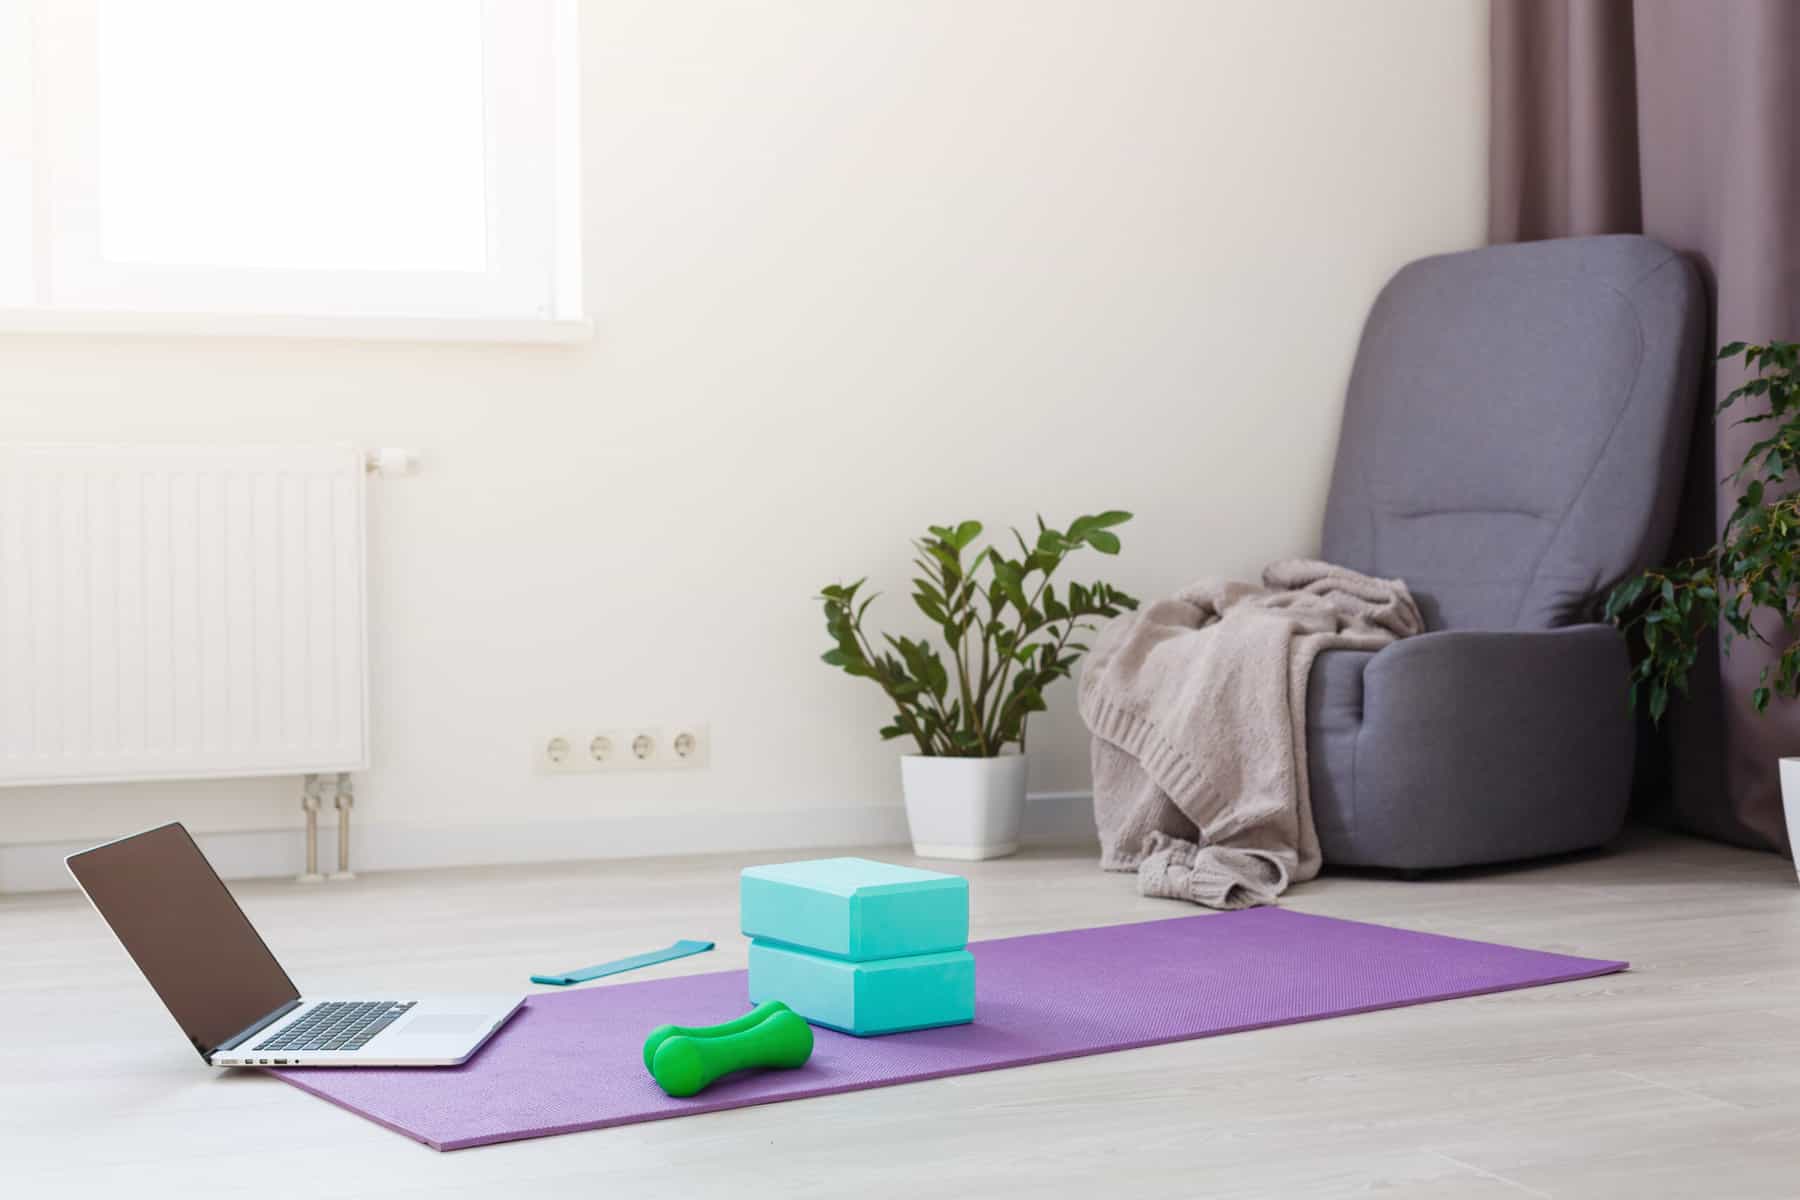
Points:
[(1790, 804)]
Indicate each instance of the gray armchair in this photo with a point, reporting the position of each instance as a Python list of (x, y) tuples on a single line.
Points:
[(1512, 447)]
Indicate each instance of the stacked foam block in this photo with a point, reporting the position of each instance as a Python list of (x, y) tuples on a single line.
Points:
[(860, 946)]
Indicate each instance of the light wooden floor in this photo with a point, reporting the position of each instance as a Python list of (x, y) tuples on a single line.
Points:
[(1681, 1078)]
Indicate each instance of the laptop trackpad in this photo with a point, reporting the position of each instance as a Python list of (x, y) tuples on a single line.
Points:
[(442, 1023)]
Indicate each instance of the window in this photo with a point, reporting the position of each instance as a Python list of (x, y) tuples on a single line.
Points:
[(303, 165)]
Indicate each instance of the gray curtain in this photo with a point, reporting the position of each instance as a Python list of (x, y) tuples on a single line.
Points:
[(1680, 120)]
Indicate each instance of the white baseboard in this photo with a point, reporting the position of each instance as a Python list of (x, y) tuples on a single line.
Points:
[(1059, 819), (1051, 818)]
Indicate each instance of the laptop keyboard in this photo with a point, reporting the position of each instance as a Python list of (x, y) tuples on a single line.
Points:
[(338, 1025)]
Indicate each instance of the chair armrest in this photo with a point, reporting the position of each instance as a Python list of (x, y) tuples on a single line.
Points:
[(1580, 672), (1483, 747)]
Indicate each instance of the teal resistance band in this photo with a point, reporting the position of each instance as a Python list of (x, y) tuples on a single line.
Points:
[(680, 949)]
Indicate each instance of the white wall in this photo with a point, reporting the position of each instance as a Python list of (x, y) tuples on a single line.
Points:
[(856, 266)]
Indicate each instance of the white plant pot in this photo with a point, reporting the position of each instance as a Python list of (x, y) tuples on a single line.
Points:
[(1790, 804), (965, 808)]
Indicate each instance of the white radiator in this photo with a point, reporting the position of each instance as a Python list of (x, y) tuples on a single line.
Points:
[(176, 613)]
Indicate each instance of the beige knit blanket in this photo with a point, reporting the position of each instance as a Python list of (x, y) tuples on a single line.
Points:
[(1197, 705)]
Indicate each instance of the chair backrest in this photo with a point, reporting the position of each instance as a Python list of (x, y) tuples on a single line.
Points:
[(1516, 427)]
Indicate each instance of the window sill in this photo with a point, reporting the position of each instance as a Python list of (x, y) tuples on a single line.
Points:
[(257, 325)]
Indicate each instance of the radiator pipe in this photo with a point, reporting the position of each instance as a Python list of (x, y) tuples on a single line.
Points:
[(309, 804), (346, 800)]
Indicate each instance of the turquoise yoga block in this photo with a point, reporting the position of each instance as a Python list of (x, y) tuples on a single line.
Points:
[(885, 995), (855, 908)]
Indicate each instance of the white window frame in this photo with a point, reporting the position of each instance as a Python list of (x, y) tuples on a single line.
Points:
[(54, 277)]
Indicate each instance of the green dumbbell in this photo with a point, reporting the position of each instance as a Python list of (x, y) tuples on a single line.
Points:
[(663, 1033), (685, 1062)]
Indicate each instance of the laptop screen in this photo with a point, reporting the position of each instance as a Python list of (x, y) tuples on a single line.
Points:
[(185, 932)]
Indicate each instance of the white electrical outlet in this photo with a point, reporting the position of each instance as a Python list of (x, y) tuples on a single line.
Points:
[(555, 754), (682, 747), (689, 746)]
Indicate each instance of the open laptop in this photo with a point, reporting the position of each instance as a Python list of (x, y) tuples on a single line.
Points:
[(227, 992)]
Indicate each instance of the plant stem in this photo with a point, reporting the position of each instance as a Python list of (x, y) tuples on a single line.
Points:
[(987, 638), (1007, 666), (959, 653), (981, 690), (1061, 642)]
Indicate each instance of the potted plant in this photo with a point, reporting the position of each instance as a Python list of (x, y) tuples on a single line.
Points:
[(1008, 634), (1751, 575)]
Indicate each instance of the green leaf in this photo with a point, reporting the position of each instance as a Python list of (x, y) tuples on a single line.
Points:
[(1008, 577), (946, 559), (1105, 543), (1105, 520)]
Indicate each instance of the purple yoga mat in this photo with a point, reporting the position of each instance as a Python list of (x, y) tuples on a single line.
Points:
[(574, 1060)]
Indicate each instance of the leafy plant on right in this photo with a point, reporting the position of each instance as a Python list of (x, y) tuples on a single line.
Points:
[(1752, 571)]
